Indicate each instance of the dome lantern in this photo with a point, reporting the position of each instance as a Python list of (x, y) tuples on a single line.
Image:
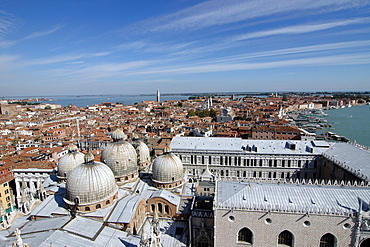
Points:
[(118, 135)]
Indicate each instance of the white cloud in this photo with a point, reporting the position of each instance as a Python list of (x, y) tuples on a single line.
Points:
[(104, 70), (8, 23), (298, 29), (221, 12), (64, 58), (151, 47), (43, 33), (4, 59), (352, 59), (9, 64), (77, 62), (296, 50), (8, 43)]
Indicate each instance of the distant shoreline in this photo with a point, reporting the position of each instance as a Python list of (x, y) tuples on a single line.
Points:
[(195, 94)]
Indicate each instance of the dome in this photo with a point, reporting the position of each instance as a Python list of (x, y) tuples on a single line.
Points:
[(120, 156), (143, 152), (167, 168), (69, 161), (118, 135), (90, 182)]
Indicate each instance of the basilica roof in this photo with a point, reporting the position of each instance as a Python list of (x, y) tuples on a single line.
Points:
[(143, 152), (127, 207), (120, 155), (91, 182), (167, 168), (69, 161)]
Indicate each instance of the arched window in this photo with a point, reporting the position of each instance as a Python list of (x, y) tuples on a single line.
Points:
[(365, 243), (166, 209), (108, 202), (153, 207), (286, 238), (328, 240), (245, 235), (87, 208), (160, 207), (98, 206)]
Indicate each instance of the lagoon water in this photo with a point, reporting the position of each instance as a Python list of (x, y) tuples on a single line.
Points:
[(352, 122), (88, 100)]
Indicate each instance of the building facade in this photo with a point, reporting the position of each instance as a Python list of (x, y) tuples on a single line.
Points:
[(241, 160), (252, 214)]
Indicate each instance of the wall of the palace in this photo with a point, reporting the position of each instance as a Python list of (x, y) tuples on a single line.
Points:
[(330, 170), (306, 229), (202, 231), (247, 165)]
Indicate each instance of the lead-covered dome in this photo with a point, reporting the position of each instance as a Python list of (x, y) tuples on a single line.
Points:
[(167, 171), (143, 153), (121, 157), (69, 161), (90, 183)]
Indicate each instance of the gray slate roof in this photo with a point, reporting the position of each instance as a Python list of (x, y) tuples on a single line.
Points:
[(51, 205), (124, 209), (214, 144), (77, 232), (84, 227), (171, 197), (290, 197), (168, 229), (351, 158)]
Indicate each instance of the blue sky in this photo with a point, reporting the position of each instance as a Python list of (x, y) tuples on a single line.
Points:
[(130, 47)]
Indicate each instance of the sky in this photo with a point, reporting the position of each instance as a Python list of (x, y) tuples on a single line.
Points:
[(74, 47)]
